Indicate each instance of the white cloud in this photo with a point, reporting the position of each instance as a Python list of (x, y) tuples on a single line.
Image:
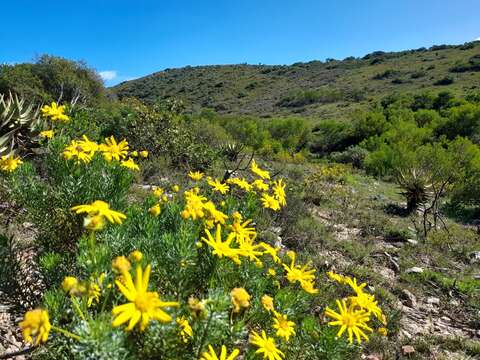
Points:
[(477, 39), (108, 75)]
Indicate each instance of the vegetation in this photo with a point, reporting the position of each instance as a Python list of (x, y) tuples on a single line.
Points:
[(168, 229), (333, 89)]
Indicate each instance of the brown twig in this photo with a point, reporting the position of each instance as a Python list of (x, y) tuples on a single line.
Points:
[(11, 355)]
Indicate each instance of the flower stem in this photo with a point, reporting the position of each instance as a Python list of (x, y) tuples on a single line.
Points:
[(66, 333), (77, 308)]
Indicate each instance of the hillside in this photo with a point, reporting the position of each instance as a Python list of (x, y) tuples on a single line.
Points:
[(315, 89)]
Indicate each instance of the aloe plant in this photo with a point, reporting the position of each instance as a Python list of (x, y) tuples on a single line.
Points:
[(416, 187), (18, 120)]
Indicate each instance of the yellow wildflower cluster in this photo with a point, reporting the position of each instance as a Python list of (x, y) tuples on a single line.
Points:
[(55, 112), (161, 196), (83, 150), (91, 289), (354, 312), (261, 183), (335, 173), (9, 163), (208, 205)]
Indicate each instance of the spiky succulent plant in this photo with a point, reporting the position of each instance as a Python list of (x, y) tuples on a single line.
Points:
[(416, 187), (18, 120)]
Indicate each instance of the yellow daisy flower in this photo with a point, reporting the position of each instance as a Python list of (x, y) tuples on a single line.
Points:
[(143, 305), (99, 207), (211, 355), (351, 320), (266, 346)]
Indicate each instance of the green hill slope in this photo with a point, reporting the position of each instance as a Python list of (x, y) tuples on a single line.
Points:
[(318, 89)]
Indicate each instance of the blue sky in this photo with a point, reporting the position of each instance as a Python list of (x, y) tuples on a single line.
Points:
[(128, 39)]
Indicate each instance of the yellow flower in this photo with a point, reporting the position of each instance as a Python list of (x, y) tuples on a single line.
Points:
[(269, 202), (251, 251), (264, 174), (242, 231), (93, 293), (284, 327), (367, 302), (121, 264), (134, 153), (260, 185), (196, 307), (271, 272), (297, 273), (76, 151), (196, 176), (194, 204), (270, 250), (185, 328), (175, 188), (215, 215), (144, 153), (164, 198), (143, 305), (9, 162), (69, 283), (267, 302), (158, 191), (35, 326), (279, 192), (217, 185), (46, 134), (266, 346), (113, 150), (55, 112), (129, 164), (241, 183), (222, 248), (353, 284), (211, 355), (88, 146), (94, 223), (240, 299), (99, 207), (155, 210), (336, 277), (354, 321), (136, 255)]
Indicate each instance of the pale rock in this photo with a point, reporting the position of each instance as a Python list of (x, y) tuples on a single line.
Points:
[(433, 300), (414, 270), (408, 350)]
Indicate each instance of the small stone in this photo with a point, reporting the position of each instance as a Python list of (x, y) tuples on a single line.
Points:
[(412, 242), (410, 299), (474, 257), (373, 357), (476, 277), (433, 300), (408, 350), (414, 270)]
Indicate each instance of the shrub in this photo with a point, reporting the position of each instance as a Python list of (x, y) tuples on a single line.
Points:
[(331, 135), (447, 80), (53, 78)]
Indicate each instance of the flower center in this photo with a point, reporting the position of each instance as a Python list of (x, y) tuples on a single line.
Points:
[(142, 302)]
